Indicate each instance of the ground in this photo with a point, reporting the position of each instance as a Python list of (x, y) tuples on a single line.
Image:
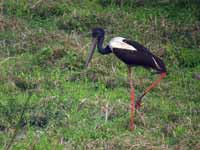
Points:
[(44, 45)]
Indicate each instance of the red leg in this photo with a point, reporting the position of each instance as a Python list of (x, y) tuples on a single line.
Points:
[(132, 99), (139, 99)]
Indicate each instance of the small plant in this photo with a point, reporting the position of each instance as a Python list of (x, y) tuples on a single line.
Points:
[(47, 8), (83, 21), (73, 61), (189, 57), (76, 108), (43, 56), (17, 8)]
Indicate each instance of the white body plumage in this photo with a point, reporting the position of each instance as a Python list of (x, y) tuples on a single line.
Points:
[(117, 42)]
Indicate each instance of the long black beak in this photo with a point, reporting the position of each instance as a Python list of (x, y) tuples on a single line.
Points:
[(92, 48)]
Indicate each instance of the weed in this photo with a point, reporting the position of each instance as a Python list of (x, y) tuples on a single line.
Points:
[(43, 49)]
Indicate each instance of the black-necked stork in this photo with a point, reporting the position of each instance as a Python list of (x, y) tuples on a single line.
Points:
[(132, 54)]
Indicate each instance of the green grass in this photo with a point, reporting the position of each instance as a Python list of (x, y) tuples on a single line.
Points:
[(43, 49)]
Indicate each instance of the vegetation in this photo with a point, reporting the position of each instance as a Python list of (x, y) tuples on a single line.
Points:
[(44, 44)]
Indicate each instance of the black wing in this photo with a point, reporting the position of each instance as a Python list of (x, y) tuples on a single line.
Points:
[(141, 57), (137, 46)]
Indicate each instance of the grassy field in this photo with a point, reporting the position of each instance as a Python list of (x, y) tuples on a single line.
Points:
[(43, 47)]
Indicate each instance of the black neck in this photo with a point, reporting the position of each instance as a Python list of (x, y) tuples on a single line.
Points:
[(102, 50)]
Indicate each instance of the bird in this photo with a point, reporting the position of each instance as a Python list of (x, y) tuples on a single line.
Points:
[(133, 54)]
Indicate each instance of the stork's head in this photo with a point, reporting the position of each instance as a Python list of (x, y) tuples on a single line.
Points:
[(97, 33)]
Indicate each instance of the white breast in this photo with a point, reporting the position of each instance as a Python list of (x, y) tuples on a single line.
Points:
[(117, 42)]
